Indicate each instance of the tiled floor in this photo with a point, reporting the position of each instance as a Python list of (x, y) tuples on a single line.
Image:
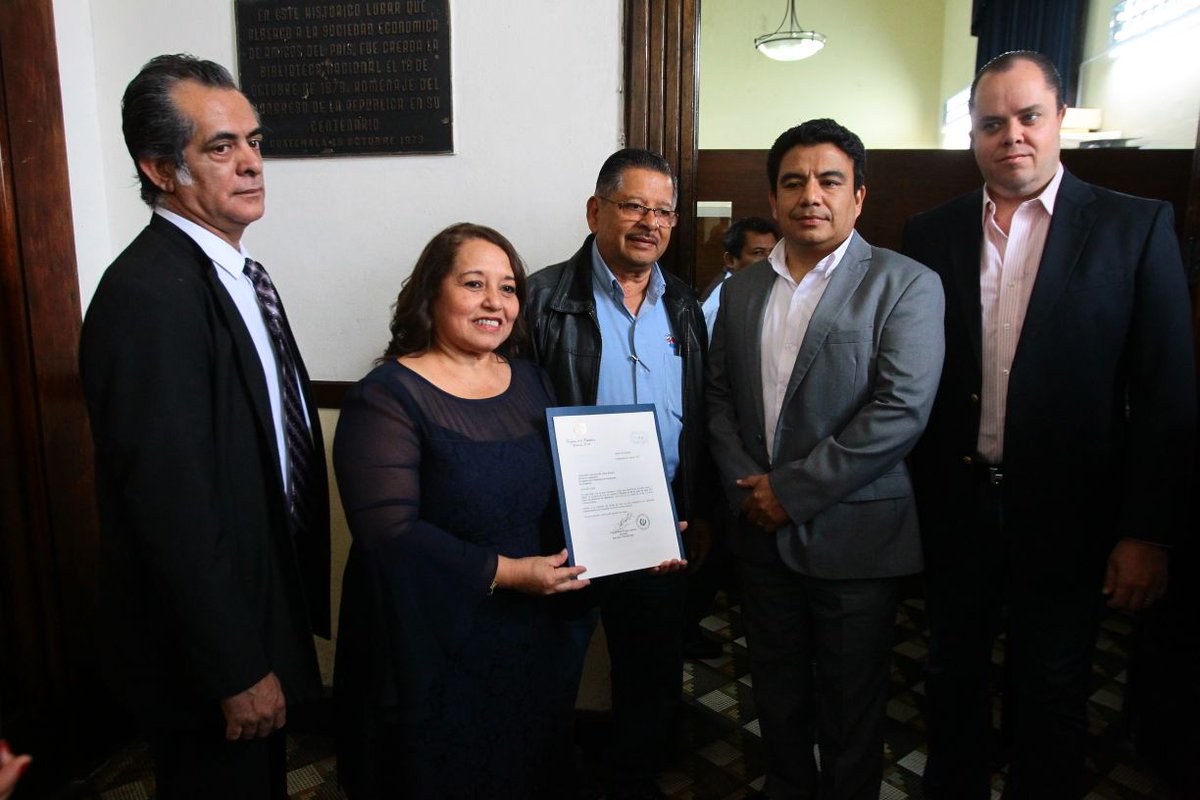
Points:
[(719, 754), (720, 689)]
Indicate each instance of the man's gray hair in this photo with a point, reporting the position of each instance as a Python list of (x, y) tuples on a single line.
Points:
[(154, 127)]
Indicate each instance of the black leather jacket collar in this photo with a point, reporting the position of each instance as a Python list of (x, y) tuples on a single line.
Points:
[(565, 341)]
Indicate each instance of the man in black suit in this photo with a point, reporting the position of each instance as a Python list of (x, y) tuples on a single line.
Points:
[(1051, 476), (210, 466)]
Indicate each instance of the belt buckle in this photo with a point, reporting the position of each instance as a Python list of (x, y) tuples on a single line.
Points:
[(995, 475)]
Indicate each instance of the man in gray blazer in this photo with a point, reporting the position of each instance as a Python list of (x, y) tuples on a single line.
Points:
[(823, 367)]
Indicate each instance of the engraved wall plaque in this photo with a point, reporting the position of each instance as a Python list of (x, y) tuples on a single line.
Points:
[(348, 78)]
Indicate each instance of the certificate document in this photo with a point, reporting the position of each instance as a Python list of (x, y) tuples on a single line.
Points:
[(617, 509)]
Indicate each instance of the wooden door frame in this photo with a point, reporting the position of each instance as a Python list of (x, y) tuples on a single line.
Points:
[(662, 72), (48, 528)]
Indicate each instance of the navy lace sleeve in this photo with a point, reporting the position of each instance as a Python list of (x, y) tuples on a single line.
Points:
[(377, 456)]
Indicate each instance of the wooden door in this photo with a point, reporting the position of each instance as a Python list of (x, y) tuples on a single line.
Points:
[(48, 530)]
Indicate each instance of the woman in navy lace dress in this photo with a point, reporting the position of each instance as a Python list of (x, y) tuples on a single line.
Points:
[(450, 677)]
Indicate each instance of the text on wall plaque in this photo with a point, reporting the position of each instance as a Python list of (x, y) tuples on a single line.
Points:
[(352, 78)]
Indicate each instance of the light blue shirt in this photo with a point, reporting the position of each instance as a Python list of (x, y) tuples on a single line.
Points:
[(640, 359), (229, 263), (712, 303)]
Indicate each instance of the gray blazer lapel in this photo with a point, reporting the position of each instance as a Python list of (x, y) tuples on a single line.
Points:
[(842, 284), (758, 285)]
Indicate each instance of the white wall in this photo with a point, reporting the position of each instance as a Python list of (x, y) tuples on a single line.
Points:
[(958, 51), (1148, 87), (536, 112), (85, 155)]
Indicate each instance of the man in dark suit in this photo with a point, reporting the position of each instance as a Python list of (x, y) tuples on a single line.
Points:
[(823, 368), (210, 466), (1052, 473)]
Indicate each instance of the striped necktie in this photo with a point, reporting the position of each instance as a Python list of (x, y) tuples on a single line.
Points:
[(296, 434)]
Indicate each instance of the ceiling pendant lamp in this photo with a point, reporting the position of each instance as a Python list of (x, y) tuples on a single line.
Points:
[(790, 43)]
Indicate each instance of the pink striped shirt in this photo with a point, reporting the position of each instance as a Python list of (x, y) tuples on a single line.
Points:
[(1008, 267)]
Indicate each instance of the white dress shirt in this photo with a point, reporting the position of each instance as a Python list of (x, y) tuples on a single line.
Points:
[(788, 311), (1008, 267)]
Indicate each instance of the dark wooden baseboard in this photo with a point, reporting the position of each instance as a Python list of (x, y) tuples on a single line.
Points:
[(328, 394)]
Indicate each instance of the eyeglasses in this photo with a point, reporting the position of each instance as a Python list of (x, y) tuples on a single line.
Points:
[(636, 212)]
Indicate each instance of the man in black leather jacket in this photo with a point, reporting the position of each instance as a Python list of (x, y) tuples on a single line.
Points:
[(609, 326)]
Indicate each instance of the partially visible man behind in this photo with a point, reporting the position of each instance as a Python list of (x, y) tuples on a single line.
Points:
[(822, 372), (748, 240), (611, 327), (1053, 471), (210, 466)]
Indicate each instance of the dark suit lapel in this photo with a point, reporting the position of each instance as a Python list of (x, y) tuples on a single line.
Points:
[(1072, 221), (965, 235), (759, 280), (248, 363), (842, 285)]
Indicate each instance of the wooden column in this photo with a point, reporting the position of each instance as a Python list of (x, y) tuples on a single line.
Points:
[(661, 79)]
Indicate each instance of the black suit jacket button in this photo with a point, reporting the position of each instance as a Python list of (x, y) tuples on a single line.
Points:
[(968, 460), (974, 399)]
